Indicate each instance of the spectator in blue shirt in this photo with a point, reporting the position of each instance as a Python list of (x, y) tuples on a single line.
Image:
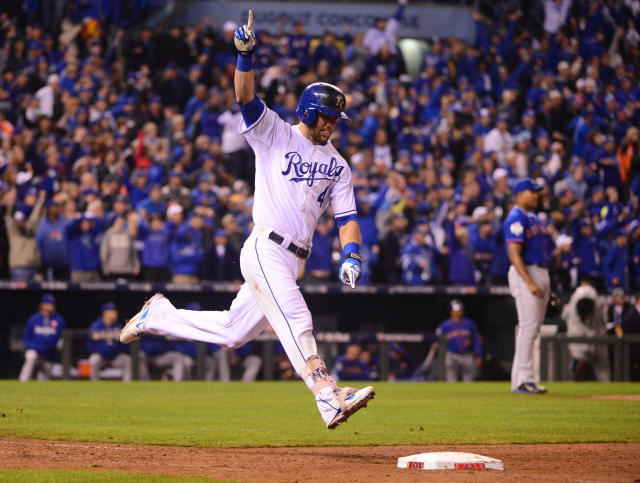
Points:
[(186, 250), (418, 260), (483, 246), (616, 263), (42, 338), (349, 367), (299, 44), (464, 349), (319, 265), (461, 269), (84, 235), (153, 204), (156, 237), (51, 237), (104, 345), (327, 50), (221, 262)]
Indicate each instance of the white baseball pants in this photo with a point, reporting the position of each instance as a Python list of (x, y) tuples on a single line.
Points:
[(531, 310), (122, 361), (32, 361), (270, 294), (459, 366)]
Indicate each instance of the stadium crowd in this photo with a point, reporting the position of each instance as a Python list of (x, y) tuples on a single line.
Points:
[(120, 155)]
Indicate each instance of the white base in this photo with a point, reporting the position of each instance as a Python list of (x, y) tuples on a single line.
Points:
[(449, 460)]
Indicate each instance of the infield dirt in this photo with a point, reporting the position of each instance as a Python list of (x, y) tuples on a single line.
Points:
[(559, 462)]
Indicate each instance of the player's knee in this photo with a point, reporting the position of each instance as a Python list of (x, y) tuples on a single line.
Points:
[(31, 355)]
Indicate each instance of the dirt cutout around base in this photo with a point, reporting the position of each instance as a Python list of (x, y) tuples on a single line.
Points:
[(593, 462)]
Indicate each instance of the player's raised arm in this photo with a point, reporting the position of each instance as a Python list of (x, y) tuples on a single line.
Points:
[(245, 41)]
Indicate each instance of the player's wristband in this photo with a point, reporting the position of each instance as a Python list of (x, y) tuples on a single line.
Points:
[(351, 249), (353, 256), (245, 61)]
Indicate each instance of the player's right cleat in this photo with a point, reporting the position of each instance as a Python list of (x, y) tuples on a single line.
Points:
[(351, 400), (135, 325), (530, 388)]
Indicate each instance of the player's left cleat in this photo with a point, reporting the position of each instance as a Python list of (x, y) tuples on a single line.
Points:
[(530, 388), (134, 326), (351, 400)]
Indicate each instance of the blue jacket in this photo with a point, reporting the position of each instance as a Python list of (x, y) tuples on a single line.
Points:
[(186, 251), (186, 347), (51, 237), (349, 370), (104, 340), (412, 272), (484, 246), (153, 345), (84, 248), (460, 262), (462, 337), (615, 265), (157, 246), (586, 249), (152, 208), (43, 333), (320, 257)]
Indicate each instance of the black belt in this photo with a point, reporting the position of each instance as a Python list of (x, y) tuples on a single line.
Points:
[(293, 248)]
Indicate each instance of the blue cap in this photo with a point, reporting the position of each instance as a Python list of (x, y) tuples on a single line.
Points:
[(122, 198), (48, 299), (174, 172), (597, 189), (31, 191), (583, 222), (525, 184), (621, 232), (88, 191), (220, 232), (108, 306), (154, 99), (193, 306)]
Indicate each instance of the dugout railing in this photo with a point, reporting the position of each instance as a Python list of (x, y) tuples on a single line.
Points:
[(329, 344), (555, 356)]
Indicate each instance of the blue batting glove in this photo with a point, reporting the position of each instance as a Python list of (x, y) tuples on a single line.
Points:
[(350, 270)]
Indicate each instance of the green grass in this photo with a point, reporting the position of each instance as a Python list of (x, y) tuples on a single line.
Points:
[(284, 414), (63, 476)]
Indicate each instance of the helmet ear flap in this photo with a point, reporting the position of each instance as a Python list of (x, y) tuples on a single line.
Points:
[(309, 116)]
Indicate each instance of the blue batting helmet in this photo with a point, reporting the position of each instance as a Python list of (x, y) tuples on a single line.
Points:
[(322, 97)]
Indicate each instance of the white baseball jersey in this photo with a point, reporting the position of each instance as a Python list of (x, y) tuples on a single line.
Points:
[(295, 179)]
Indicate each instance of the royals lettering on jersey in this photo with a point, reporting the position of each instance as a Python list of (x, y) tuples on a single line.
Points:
[(525, 228), (295, 179), (307, 172)]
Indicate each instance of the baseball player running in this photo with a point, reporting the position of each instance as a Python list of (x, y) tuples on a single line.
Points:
[(298, 174), (528, 281)]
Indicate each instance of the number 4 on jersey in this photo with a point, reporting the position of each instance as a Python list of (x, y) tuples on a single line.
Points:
[(321, 196)]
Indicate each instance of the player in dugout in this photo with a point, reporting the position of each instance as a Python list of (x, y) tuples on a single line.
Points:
[(299, 174)]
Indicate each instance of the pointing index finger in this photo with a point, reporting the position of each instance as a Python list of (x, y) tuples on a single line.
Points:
[(250, 21)]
